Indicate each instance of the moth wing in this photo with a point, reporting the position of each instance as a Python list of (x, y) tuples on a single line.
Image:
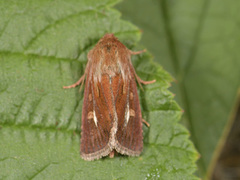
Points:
[(96, 122), (129, 133)]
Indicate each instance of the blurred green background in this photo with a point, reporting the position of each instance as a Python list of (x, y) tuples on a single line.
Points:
[(198, 42)]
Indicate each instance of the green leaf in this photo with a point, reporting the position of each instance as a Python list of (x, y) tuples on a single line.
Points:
[(198, 42), (43, 47)]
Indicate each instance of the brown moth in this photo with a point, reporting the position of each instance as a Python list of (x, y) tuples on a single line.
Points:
[(111, 114)]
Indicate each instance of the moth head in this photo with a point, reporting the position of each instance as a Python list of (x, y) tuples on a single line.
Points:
[(109, 36), (110, 44)]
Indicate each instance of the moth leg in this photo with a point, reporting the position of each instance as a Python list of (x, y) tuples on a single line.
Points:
[(111, 155), (80, 81), (144, 82), (140, 81), (146, 123), (137, 52)]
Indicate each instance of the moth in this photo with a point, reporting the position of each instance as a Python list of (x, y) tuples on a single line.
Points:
[(111, 114)]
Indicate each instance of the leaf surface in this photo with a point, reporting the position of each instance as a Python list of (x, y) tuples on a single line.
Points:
[(43, 47)]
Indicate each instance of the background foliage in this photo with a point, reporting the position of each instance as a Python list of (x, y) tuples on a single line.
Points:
[(198, 43)]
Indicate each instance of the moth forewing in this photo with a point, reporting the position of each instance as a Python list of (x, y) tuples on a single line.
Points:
[(111, 114), (129, 135)]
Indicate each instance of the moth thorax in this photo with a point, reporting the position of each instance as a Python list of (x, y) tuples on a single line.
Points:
[(111, 70)]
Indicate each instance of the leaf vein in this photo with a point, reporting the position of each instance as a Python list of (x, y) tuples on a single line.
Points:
[(57, 22)]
